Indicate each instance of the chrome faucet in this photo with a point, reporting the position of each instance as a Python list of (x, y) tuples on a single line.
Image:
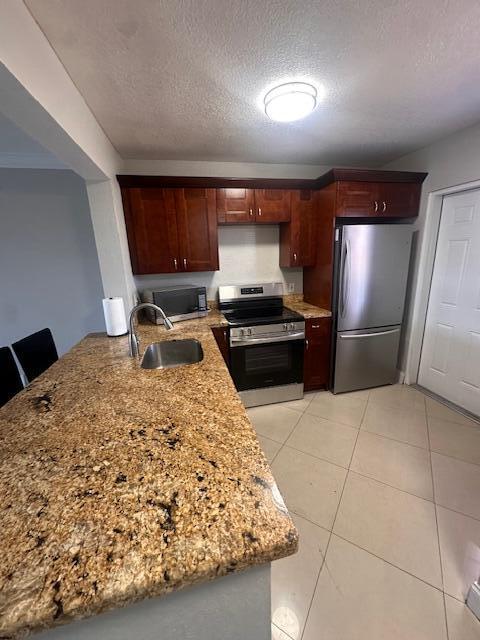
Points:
[(132, 336)]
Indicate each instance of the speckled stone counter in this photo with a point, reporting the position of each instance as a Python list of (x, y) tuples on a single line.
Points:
[(296, 303), (119, 483)]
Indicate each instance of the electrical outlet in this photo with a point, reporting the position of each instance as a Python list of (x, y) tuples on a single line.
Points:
[(291, 287)]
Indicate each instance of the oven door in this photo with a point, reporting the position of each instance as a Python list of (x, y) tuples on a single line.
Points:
[(266, 364)]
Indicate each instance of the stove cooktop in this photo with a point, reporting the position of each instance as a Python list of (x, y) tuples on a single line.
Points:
[(253, 317)]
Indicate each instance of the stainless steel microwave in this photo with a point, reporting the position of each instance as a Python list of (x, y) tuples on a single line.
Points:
[(179, 302)]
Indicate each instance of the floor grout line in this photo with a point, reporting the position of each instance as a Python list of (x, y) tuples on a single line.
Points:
[(395, 566), (311, 455), (282, 630), (436, 521), (324, 563), (352, 471), (364, 475), (283, 444)]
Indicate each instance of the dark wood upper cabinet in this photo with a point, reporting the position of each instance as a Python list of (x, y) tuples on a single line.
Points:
[(248, 206), (171, 230), (399, 199), (357, 199), (355, 193), (316, 367), (378, 199), (197, 229), (235, 206), (297, 238), (152, 230), (272, 205)]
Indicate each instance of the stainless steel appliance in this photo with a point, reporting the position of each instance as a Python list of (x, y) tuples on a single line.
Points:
[(179, 302), (266, 343), (370, 279)]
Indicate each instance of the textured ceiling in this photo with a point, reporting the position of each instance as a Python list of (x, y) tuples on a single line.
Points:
[(181, 79)]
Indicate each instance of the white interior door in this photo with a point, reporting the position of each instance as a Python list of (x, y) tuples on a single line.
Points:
[(450, 361)]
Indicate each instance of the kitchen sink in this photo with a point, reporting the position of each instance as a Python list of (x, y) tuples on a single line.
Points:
[(171, 353)]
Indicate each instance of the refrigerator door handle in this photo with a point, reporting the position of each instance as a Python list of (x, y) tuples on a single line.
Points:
[(345, 278), (367, 335)]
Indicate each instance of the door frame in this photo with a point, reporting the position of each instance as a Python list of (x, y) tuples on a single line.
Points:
[(426, 261)]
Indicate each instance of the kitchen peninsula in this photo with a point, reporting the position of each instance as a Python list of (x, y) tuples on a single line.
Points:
[(120, 485)]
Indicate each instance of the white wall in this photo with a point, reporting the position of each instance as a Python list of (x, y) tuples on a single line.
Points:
[(40, 98), (452, 161), (247, 254), (49, 272)]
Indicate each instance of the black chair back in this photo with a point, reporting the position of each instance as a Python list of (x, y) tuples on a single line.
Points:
[(10, 380), (36, 353)]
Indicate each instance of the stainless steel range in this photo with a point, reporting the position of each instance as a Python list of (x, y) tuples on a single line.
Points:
[(266, 343)]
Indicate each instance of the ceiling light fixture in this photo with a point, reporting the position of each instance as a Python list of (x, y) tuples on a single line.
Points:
[(290, 101)]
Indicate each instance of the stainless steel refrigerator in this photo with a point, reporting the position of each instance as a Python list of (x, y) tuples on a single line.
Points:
[(370, 280)]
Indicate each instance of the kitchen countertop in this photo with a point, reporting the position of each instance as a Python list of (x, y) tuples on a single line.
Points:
[(119, 484), (296, 303)]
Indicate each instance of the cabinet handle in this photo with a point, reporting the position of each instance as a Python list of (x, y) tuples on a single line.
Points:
[(250, 211), (184, 263), (315, 326), (259, 211), (175, 264), (376, 207), (384, 206), (306, 345), (294, 257)]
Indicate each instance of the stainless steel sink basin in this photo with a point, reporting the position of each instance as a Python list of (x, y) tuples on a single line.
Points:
[(171, 353)]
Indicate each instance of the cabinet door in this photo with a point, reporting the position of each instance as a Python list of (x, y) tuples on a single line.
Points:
[(297, 238), (221, 337), (317, 353), (357, 199), (151, 229), (197, 229), (272, 205), (235, 206), (399, 199)]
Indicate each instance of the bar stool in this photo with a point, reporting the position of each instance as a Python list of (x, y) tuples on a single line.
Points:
[(10, 380), (36, 353)]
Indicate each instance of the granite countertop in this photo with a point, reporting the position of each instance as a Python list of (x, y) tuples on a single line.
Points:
[(119, 483), (296, 303)]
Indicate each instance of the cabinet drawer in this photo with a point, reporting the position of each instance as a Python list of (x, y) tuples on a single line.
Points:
[(317, 327)]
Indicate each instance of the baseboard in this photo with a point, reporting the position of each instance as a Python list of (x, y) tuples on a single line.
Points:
[(473, 600)]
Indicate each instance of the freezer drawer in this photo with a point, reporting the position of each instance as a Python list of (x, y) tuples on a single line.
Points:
[(366, 358)]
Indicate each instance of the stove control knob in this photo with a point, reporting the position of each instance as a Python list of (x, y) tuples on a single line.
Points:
[(292, 326), (242, 333), (285, 326), (249, 332)]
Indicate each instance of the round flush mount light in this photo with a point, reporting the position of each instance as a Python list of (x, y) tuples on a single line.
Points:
[(290, 101)]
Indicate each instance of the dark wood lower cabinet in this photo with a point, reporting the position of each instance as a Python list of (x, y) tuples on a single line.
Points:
[(221, 336), (317, 353)]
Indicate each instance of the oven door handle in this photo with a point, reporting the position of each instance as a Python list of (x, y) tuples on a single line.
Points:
[(237, 342)]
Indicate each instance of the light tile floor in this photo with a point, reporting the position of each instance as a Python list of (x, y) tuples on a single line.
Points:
[(384, 488)]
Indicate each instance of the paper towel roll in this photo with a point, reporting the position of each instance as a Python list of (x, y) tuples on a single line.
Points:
[(114, 313)]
